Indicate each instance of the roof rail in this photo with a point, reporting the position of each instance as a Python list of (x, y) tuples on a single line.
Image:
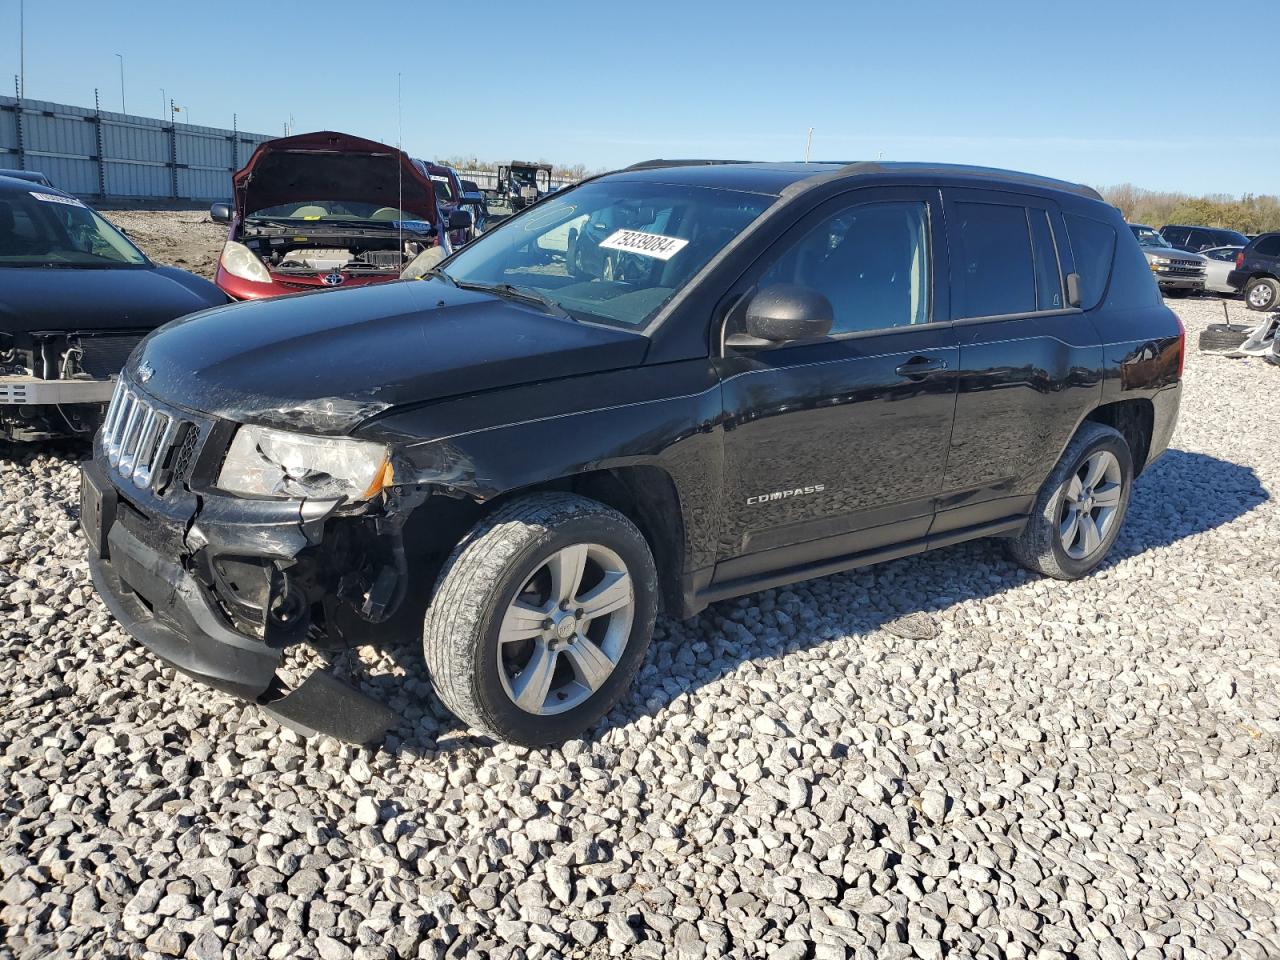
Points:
[(658, 164), (960, 169)]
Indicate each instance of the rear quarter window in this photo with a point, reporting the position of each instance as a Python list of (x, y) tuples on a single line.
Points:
[(1268, 246), (1093, 245)]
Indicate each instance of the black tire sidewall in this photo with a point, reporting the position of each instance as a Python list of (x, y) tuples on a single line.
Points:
[(1078, 568), (530, 729)]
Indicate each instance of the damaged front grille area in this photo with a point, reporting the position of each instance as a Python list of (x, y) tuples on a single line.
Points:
[(146, 443)]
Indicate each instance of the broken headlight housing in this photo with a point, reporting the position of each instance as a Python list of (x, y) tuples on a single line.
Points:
[(277, 463)]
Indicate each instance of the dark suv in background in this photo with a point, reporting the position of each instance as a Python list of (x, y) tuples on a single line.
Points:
[(1195, 239), (762, 373), (1257, 272)]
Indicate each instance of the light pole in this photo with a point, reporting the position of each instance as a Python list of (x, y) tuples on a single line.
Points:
[(122, 106), (22, 49)]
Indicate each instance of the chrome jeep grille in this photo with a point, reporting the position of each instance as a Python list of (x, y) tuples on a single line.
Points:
[(139, 438)]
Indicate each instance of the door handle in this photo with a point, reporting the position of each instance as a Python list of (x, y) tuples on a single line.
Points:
[(919, 366)]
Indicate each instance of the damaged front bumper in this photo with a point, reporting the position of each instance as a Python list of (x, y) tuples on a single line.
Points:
[(219, 588)]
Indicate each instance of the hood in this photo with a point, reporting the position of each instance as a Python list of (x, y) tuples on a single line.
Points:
[(326, 362), (1172, 253), (331, 166), (129, 298)]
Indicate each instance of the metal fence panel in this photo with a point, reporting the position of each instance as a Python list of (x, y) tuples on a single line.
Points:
[(101, 155)]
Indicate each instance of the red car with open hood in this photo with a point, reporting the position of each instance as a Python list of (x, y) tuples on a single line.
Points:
[(326, 210)]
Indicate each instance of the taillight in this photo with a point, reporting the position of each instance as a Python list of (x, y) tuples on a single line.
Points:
[(1240, 260)]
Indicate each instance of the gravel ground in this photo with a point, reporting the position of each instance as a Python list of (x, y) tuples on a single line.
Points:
[(940, 756), (181, 238)]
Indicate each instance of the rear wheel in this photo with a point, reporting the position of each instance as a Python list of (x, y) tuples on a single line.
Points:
[(541, 618), (1080, 507), (1262, 293)]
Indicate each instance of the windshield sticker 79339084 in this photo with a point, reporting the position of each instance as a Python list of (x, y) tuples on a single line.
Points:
[(646, 244), (54, 198)]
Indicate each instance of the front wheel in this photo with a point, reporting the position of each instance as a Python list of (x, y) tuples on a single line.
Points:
[(541, 618), (1079, 510)]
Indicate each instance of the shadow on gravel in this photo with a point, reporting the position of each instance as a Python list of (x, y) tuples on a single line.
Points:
[(1181, 495)]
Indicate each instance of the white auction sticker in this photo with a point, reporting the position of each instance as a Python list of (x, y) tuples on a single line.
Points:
[(54, 198), (646, 244)]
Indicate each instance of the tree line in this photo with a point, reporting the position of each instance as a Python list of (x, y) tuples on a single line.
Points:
[(1251, 213)]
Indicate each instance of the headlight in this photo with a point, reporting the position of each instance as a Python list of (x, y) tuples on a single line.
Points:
[(1161, 261), (239, 261), (276, 463)]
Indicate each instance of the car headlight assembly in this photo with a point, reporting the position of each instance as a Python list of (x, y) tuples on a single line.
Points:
[(263, 462), (1161, 261), (239, 261)]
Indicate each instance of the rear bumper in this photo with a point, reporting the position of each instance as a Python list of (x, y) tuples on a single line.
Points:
[(1236, 279), (1180, 283), (32, 391)]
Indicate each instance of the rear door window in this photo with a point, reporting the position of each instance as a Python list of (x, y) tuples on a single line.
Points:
[(1093, 247), (1048, 274), (1175, 236), (993, 270)]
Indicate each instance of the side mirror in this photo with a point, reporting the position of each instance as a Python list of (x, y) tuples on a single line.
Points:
[(785, 312), (460, 220), (473, 196), (220, 213)]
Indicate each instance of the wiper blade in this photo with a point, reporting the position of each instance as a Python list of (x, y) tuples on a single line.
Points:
[(510, 291), (439, 274)]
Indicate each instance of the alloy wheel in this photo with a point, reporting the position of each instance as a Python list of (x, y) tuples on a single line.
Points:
[(566, 629), (1091, 505), (1260, 296)]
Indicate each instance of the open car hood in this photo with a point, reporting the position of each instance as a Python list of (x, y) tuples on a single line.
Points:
[(331, 166)]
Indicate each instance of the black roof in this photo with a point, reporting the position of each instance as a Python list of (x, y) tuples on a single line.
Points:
[(23, 185), (775, 178)]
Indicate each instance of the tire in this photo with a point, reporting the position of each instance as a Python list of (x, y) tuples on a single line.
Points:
[(1175, 292), (503, 561), (1262, 293), (1218, 337), (1040, 546)]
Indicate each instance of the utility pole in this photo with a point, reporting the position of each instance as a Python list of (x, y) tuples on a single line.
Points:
[(122, 106), (22, 49), (163, 100)]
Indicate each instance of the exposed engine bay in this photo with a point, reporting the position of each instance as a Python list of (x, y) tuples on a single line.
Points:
[(383, 252)]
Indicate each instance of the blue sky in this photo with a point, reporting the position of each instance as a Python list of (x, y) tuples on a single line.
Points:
[(1090, 91)]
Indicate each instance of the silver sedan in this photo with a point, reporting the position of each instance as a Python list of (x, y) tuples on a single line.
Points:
[(1219, 261)]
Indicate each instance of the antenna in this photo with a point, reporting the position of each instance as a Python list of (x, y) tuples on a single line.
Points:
[(399, 166)]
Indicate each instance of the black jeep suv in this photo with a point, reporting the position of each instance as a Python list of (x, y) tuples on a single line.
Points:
[(749, 374)]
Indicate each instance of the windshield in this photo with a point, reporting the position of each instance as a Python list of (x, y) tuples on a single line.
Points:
[(612, 251), (1149, 237), (330, 210), (40, 229), (526, 175), (444, 189)]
